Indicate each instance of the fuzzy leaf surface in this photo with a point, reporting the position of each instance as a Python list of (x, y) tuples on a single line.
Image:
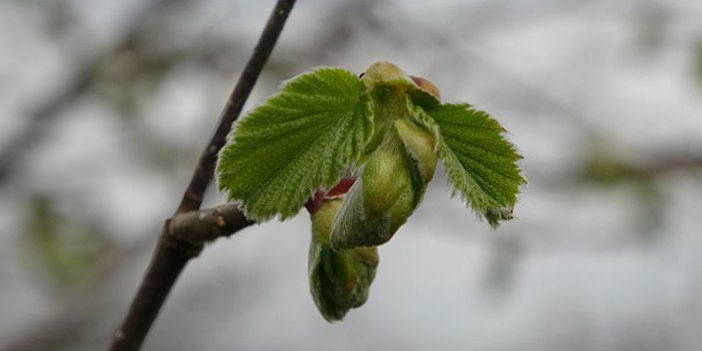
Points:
[(480, 164), (301, 138)]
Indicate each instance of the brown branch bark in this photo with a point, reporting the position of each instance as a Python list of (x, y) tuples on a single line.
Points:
[(192, 198), (203, 226), (173, 251)]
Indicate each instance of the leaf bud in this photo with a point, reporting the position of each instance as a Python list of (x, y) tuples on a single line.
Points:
[(339, 280)]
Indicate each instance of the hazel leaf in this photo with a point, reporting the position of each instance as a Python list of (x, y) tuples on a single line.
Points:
[(300, 139), (479, 162)]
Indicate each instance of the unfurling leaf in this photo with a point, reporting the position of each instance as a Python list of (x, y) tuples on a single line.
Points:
[(300, 139), (420, 144), (390, 188), (339, 280), (398, 164)]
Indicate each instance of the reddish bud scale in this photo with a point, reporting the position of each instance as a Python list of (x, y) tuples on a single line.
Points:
[(427, 86), (341, 188)]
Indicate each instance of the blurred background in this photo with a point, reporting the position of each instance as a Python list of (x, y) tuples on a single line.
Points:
[(105, 106)]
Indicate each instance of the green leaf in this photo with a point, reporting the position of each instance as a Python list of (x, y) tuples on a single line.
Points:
[(420, 144), (480, 164), (381, 200), (339, 279), (300, 139)]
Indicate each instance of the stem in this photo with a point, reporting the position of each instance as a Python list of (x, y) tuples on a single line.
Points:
[(172, 252), (203, 226), (192, 198)]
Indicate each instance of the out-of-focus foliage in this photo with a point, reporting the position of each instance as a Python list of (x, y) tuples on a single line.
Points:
[(68, 252)]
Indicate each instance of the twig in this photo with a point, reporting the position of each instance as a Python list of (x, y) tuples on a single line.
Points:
[(203, 226), (172, 252), (192, 198)]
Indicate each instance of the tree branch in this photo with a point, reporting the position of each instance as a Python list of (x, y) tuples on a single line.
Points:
[(192, 198), (203, 226), (173, 251)]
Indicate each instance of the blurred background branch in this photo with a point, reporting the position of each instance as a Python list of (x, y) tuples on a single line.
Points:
[(82, 80)]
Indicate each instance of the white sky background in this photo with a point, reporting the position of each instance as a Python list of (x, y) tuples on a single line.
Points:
[(565, 78)]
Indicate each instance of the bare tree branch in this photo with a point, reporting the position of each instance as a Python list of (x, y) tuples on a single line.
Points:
[(173, 252), (192, 198), (203, 226)]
